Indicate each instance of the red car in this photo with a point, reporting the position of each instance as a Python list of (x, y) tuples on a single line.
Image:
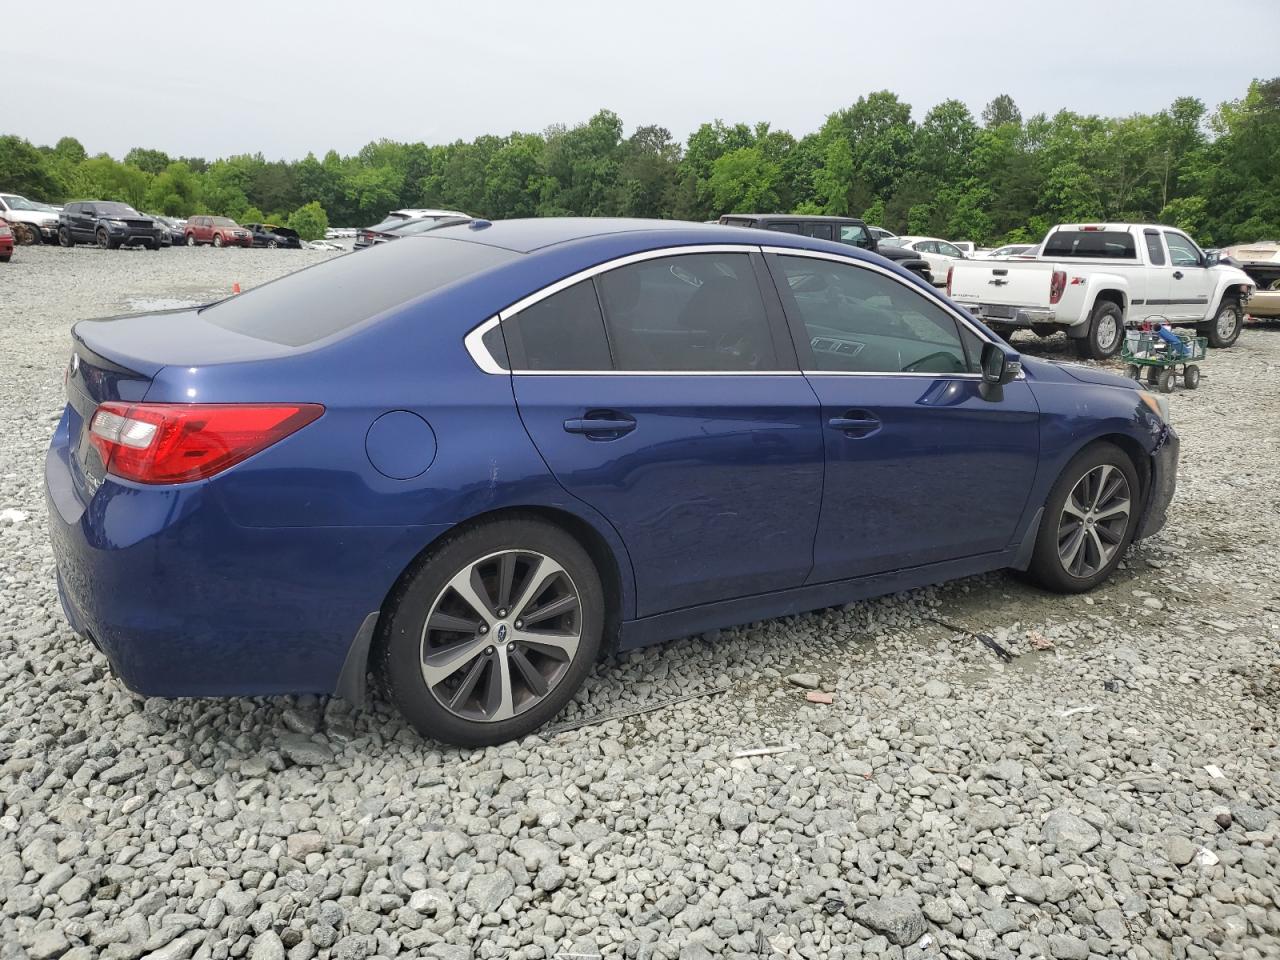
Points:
[(6, 241), (220, 231)]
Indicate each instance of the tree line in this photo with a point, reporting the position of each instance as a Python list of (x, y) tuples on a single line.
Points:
[(995, 178)]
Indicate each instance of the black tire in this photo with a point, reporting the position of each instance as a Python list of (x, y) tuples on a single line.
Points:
[(104, 239), (191, 240), (1165, 383), (1133, 371), (1216, 337), (217, 239), (1106, 332), (1153, 375), (64, 238), (399, 655), (6, 258), (1191, 376), (1046, 567), (271, 244)]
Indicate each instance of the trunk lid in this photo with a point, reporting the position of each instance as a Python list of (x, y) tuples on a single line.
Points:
[(1002, 283), (118, 358)]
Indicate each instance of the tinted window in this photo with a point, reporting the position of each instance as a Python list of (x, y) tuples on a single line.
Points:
[(1107, 244), (319, 301), (784, 227), (1154, 249), (861, 321), (821, 231), (853, 235), (702, 311), (1182, 252), (496, 344), (562, 332)]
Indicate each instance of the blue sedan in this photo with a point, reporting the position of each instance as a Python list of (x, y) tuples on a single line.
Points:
[(475, 461)]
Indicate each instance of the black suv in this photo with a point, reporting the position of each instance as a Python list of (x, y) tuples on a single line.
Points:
[(847, 230), (109, 224)]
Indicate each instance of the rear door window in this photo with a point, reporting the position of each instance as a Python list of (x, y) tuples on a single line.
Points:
[(561, 332), (820, 231), (784, 226), (315, 303), (695, 312), (857, 320), (1155, 250)]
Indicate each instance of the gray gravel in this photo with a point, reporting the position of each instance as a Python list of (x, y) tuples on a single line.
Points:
[(946, 804)]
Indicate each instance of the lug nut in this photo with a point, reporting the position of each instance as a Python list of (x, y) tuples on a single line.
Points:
[(488, 649), (519, 624), (484, 628), (502, 612)]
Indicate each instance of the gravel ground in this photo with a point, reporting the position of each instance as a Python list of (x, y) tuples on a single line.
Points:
[(1114, 790)]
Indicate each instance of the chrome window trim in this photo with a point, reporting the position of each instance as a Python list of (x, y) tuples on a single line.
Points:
[(474, 343)]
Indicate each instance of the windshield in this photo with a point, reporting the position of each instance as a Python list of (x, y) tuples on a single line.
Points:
[(112, 209), (18, 203)]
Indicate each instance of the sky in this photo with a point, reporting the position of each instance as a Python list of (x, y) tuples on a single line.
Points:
[(213, 78)]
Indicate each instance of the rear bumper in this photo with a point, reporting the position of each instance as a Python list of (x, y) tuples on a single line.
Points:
[(1164, 481), (183, 601), (1000, 315)]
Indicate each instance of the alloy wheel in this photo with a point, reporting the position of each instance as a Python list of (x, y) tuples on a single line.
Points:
[(501, 635), (1108, 333), (1094, 520), (1226, 322)]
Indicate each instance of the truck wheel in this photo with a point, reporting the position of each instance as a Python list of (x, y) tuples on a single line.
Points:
[(64, 238), (1224, 329), (104, 239), (1106, 332), (27, 233)]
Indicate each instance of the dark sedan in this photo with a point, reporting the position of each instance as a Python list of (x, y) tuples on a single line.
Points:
[(272, 236)]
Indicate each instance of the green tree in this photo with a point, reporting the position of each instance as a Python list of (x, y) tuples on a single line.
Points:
[(1000, 111), (310, 221), (745, 181), (148, 161)]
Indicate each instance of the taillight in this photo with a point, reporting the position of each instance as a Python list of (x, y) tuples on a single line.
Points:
[(950, 272), (6, 232), (180, 442), (1057, 284)]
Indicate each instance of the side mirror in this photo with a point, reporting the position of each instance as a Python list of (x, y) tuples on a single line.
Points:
[(1212, 258), (1001, 364)]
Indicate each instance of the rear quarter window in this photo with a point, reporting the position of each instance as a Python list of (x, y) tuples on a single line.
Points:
[(320, 301), (1102, 244)]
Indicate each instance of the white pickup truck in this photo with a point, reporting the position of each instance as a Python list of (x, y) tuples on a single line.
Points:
[(1092, 280), (37, 224)]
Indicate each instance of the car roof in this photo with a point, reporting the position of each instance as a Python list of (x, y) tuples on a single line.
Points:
[(790, 217), (528, 236)]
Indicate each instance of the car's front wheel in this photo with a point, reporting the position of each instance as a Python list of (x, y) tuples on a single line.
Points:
[(104, 238), (191, 239), (64, 237), (217, 239), (1088, 521), (493, 632), (1224, 329)]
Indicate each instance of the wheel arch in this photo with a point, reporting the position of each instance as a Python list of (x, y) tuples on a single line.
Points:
[(606, 553), (1137, 454), (1111, 295)]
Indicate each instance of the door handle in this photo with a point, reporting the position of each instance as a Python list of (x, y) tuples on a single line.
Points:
[(855, 423), (1177, 274), (604, 425)]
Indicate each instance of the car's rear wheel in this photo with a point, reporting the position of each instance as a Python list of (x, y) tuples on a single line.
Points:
[(1088, 521), (1105, 334), (217, 239), (493, 632), (1224, 329)]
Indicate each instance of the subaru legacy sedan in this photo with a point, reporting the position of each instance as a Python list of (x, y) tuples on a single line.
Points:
[(476, 460)]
